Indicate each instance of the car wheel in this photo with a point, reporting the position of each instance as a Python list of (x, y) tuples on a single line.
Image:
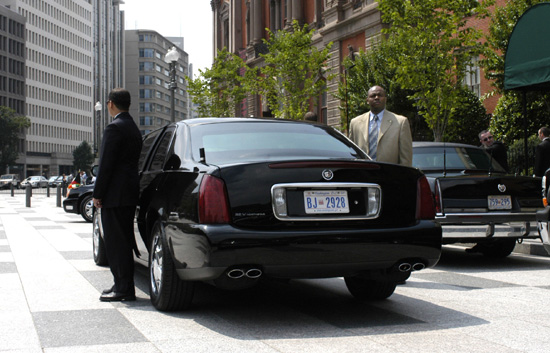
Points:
[(100, 256), (369, 289), (87, 208), (499, 248), (167, 291)]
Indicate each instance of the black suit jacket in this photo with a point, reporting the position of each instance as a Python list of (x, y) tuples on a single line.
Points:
[(117, 182), (542, 157)]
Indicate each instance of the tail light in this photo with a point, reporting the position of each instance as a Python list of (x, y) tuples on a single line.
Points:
[(438, 199), (424, 200), (213, 201)]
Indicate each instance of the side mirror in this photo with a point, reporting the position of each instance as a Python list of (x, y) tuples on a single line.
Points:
[(94, 170), (173, 163)]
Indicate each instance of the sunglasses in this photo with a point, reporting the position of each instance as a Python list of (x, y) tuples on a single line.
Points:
[(488, 138)]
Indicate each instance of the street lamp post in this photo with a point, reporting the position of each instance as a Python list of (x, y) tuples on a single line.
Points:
[(97, 126), (171, 58)]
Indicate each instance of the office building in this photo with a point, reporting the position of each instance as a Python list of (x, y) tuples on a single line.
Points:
[(148, 79)]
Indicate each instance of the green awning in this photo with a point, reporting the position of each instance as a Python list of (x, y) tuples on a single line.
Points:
[(527, 60)]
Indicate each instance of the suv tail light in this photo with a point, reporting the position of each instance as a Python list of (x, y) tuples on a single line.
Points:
[(424, 200), (213, 201)]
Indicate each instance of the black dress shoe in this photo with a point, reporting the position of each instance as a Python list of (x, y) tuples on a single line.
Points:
[(117, 297), (110, 290)]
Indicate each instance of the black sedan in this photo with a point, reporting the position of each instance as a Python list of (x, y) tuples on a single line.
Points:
[(471, 190), (80, 202), (230, 201)]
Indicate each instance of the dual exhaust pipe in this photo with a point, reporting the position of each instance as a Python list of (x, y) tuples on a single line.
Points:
[(407, 267), (237, 273)]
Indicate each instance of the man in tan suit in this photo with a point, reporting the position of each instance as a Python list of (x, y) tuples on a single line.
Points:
[(394, 140)]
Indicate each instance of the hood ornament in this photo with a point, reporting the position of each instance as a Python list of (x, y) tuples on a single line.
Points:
[(501, 187), (327, 174)]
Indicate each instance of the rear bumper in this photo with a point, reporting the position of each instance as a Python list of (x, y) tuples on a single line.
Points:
[(485, 218), (204, 252), (519, 225)]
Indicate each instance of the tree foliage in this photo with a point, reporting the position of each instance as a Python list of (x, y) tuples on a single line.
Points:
[(434, 49), (470, 117), (218, 91), (366, 69), (294, 72), (507, 122), (83, 156), (11, 126)]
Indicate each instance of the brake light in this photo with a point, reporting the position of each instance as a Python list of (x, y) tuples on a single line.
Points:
[(438, 199), (424, 200), (213, 201)]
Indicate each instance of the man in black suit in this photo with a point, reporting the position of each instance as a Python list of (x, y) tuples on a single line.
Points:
[(116, 193), (542, 152)]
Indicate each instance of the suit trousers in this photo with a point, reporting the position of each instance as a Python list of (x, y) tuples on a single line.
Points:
[(118, 235)]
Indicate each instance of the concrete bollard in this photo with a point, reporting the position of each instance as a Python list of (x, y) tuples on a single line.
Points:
[(12, 190), (64, 188), (47, 191), (58, 196), (28, 195)]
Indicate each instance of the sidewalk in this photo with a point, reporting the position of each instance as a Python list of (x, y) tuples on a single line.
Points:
[(50, 286)]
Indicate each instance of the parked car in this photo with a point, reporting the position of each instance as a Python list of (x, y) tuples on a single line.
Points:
[(55, 180), (79, 201), (36, 181), (7, 180), (472, 189), (230, 201), (543, 216)]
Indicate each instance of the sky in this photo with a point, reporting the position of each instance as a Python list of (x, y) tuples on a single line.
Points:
[(190, 19)]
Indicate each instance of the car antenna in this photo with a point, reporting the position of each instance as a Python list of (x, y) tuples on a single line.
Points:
[(202, 155), (491, 163), (444, 159)]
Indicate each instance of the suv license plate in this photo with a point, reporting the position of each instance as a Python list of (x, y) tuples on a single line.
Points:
[(326, 201), (499, 202)]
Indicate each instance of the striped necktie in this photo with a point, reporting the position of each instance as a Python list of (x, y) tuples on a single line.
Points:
[(373, 136)]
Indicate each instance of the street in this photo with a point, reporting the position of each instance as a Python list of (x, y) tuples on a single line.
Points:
[(49, 290)]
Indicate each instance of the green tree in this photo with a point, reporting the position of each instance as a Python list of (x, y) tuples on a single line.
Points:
[(507, 122), (470, 117), (367, 69), (293, 73), (219, 90), (83, 156), (11, 126), (434, 49)]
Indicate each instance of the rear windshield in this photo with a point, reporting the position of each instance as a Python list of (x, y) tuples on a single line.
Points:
[(236, 142), (454, 158)]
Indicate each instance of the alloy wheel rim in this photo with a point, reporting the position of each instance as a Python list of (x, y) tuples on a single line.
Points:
[(156, 265), (96, 236), (89, 209)]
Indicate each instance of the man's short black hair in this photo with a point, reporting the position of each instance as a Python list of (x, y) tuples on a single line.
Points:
[(545, 131), (121, 99)]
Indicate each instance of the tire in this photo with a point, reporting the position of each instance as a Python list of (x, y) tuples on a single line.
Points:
[(498, 249), (87, 208), (369, 289), (166, 290), (100, 256)]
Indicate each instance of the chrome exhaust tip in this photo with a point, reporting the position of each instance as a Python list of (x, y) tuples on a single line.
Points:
[(404, 267), (254, 273), (235, 273), (418, 266)]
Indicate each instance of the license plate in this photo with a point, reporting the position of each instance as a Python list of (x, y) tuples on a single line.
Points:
[(499, 202), (326, 201)]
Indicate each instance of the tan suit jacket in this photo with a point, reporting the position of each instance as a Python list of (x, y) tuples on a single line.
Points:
[(394, 138)]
